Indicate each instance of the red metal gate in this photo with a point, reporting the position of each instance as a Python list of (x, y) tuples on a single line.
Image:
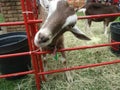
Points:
[(29, 10)]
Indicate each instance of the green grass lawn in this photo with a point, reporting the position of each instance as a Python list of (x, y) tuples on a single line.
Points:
[(98, 78)]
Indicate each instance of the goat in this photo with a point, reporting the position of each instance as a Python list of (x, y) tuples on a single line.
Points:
[(61, 18), (98, 8)]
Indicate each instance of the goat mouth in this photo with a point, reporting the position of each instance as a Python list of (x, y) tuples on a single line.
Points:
[(44, 44)]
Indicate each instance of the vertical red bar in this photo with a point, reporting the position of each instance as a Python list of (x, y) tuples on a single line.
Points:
[(27, 15), (31, 7)]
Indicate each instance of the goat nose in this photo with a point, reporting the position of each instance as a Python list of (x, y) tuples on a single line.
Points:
[(44, 39)]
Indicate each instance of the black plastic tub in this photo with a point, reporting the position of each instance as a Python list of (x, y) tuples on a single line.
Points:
[(10, 43), (115, 37)]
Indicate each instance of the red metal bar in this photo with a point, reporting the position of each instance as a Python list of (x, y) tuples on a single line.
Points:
[(20, 22), (15, 54), (25, 7), (81, 47), (17, 74), (12, 23), (34, 21), (40, 20), (81, 67), (99, 16), (66, 49), (91, 46), (33, 32), (41, 66)]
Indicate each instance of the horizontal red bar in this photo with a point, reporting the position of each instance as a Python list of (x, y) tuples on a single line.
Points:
[(40, 21), (81, 47), (11, 23), (80, 67), (99, 16), (20, 23), (14, 55), (17, 74), (66, 49)]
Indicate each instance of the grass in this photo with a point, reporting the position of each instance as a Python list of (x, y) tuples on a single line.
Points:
[(98, 78)]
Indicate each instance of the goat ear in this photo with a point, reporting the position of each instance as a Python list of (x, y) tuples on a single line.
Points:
[(44, 4), (79, 34)]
